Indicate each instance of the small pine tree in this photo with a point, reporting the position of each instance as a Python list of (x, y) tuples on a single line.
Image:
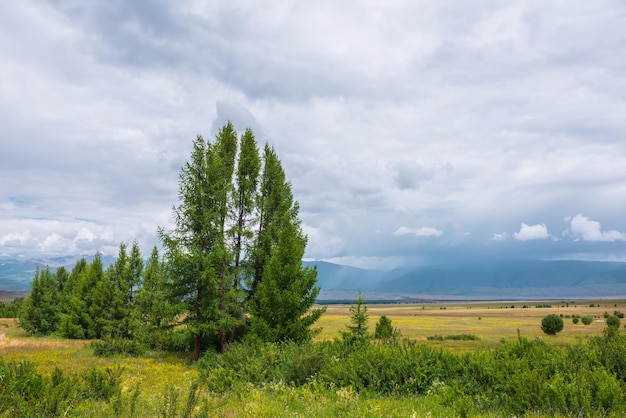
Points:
[(359, 318), (385, 330), (39, 314)]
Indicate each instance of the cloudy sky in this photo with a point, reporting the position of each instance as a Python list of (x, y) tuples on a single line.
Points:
[(412, 131)]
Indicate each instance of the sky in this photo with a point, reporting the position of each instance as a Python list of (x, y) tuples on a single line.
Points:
[(412, 132)]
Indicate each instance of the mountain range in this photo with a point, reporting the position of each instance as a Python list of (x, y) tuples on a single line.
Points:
[(481, 279)]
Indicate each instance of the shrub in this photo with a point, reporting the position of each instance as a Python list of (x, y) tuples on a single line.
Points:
[(612, 326), (612, 322), (575, 319), (116, 346), (587, 319), (385, 330), (552, 324), (453, 337)]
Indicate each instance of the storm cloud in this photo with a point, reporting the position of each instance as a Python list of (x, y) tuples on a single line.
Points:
[(410, 131)]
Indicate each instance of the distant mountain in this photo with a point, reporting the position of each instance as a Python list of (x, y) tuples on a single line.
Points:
[(16, 275), (530, 279), (339, 277), (514, 279)]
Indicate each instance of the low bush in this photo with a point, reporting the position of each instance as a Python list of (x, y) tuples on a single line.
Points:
[(515, 378), (24, 391), (552, 324), (115, 347), (453, 337)]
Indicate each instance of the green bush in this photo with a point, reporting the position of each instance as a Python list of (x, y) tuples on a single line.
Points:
[(453, 337), (613, 322), (117, 346), (552, 324), (385, 330), (24, 391), (587, 319)]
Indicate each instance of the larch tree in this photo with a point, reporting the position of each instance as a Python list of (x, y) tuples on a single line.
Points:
[(241, 231), (189, 247), (237, 227), (122, 278), (39, 314), (152, 307), (283, 291)]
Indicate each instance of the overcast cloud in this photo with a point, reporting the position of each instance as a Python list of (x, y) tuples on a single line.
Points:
[(412, 131)]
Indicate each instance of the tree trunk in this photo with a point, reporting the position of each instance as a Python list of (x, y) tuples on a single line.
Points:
[(196, 347)]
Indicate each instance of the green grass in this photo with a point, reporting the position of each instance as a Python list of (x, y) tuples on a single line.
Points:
[(158, 384), (489, 321)]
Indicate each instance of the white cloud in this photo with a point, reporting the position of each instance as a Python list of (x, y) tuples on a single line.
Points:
[(14, 239), (585, 229), (419, 232), (433, 113), (531, 232)]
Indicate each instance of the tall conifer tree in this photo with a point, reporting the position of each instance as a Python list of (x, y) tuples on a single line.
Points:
[(283, 291), (232, 224)]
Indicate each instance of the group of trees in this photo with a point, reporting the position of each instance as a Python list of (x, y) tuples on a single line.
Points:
[(232, 265), (357, 331), (121, 301), (10, 309)]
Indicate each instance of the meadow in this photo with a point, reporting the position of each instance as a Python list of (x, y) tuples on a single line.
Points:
[(239, 384), (489, 321)]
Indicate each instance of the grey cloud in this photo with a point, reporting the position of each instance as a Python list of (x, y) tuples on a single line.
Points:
[(239, 116), (410, 175), (458, 117)]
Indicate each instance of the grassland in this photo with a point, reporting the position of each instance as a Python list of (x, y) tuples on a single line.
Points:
[(164, 379), (490, 321)]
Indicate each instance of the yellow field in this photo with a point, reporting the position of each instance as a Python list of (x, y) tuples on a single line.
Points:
[(152, 373), (155, 373), (490, 321)]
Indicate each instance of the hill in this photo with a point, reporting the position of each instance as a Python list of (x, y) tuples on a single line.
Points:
[(502, 279), (16, 275)]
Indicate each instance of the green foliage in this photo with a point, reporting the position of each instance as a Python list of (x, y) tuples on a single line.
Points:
[(215, 253), (385, 331), (11, 309), (283, 291), (103, 384), (152, 307), (516, 378), (586, 319), (613, 321), (552, 324), (358, 319), (39, 314), (575, 319), (110, 347), (453, 337), (612, 326), (232, 266), (24, 391)]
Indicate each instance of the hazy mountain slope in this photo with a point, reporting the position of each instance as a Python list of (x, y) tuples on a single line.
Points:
[(508, 279), (16, 275), (483, 279)]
